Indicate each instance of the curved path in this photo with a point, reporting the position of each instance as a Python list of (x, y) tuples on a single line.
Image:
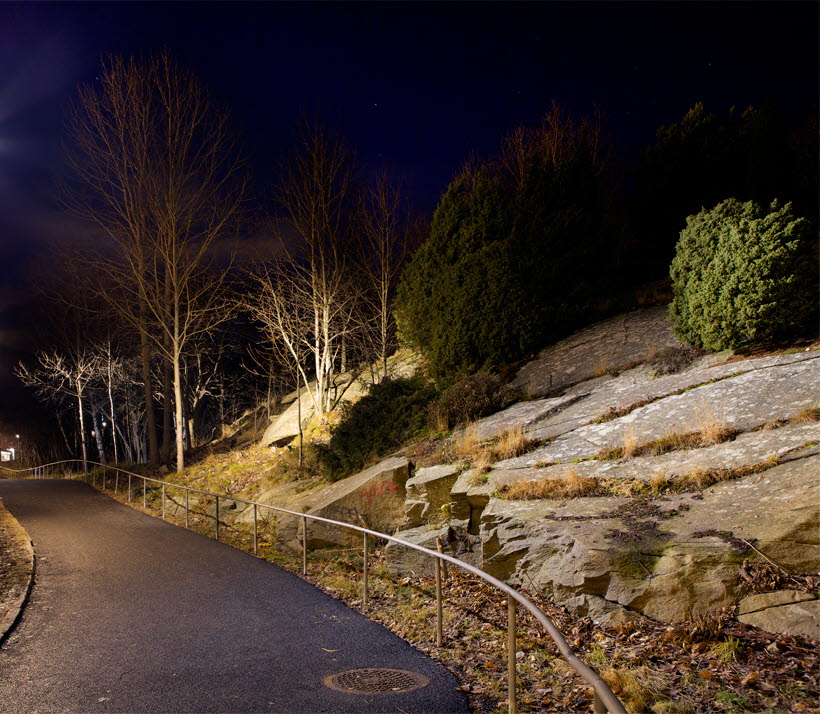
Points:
[(132, 614)]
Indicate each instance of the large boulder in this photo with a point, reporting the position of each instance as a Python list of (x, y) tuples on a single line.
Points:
[(373, 498), (285, 426), (404, 561), (428, 492)]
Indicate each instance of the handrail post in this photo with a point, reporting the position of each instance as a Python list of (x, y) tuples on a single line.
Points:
[(439, 613), (304, 545), (187, 493), (143, 494), (513, 704), (216, 517), (129, 487), (104, 474), (163, 500), (364, 579), (116, 482), (255, 538), (597, 705)]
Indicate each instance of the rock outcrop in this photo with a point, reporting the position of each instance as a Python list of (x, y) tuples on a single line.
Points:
[(669, 557)]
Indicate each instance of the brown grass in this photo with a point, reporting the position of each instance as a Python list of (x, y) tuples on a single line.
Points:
[(482, 454), (710, 429), (638, 688), (709, 435), (512, 443), (468, 446), (569, 485), (809, 415), (573, 485)]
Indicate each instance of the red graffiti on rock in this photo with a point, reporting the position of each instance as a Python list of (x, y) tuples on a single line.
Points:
[(376, 491)]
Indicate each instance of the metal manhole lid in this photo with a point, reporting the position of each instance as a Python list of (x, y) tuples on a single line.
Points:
[(376, 681)]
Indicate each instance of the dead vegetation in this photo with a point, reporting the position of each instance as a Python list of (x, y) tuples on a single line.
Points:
[(708, 434), (481, 454), (570, 484)]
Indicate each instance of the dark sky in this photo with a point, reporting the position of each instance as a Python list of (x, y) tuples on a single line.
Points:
[(416, 87)]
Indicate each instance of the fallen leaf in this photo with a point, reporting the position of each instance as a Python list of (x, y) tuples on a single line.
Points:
[(327, 650), (750, 678)]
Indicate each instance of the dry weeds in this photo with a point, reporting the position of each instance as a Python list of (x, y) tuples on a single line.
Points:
[(569, 485), (809, 415), (482, 454), (710, 434)]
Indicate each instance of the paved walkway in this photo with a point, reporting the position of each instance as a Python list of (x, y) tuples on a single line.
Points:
[(132, 614)]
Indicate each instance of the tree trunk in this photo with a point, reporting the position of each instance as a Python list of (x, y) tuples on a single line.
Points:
[(150, 416), (98, 435), (82, 427), (114, 425), (178, 394), (167, 437)]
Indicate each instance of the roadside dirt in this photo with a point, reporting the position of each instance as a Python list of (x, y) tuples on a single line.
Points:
[(16, 569)]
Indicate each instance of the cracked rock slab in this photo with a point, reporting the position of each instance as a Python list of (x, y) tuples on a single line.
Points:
[(776, 390), (747, 449)]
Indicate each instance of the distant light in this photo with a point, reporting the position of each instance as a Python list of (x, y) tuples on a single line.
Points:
[(17, 435)]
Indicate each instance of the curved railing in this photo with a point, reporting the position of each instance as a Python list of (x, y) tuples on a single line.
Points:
[(604, 699)]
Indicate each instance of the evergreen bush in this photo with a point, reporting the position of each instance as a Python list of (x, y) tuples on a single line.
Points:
[(381, 421), (470, 398), (743, 275)]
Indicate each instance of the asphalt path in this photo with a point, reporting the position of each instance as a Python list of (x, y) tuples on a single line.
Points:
[(132, 614)]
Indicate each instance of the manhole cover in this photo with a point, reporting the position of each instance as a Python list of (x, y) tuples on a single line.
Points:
[(376, 681)]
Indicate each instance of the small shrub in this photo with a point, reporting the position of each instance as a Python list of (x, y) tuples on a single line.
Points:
[(393, 412), (743, 275), (469, 399), (671, 360)]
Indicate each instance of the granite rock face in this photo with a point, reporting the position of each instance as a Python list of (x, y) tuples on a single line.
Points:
[(669, 557), (670, 560)]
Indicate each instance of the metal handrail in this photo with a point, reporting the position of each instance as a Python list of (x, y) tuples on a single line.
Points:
[(604, 699)]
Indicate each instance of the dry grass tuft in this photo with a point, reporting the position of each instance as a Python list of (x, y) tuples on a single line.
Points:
[(468, 446), (810, 415), (569, 485), (708, 427), (630, 444), (638, 688), (703, 478), (482, 454), (512, 443)]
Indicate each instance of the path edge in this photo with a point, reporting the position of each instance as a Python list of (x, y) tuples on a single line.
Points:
[(27, 570)]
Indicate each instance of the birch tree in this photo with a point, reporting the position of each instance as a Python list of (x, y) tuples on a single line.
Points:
[(156, 168)]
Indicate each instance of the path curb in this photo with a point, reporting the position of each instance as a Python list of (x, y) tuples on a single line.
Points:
[(26, 570)]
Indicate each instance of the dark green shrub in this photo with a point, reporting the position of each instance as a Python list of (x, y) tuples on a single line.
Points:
[(743, 275), (381, 421), (519, 248), (459, 302), (469, 399)]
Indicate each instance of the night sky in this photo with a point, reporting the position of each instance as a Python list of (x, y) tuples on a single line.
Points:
[(415, 87)]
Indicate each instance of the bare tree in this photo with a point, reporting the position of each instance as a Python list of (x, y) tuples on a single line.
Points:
[(157, 170), (63, 375), (385, 233), (316, 292)]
